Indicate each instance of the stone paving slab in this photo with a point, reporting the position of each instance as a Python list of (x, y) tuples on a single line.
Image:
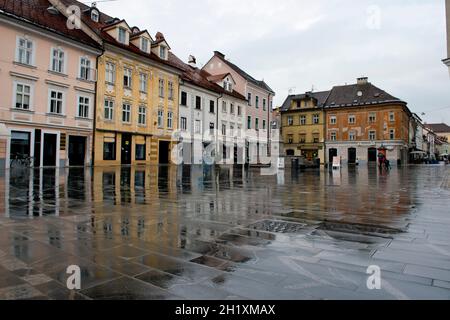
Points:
[(251, 237)]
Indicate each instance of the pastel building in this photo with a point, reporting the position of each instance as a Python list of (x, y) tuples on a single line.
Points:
[(211, 111), (137, 91), (362, 118), (47, 80), (258, 94)]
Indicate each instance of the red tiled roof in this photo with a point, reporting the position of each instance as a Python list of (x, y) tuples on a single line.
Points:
[(215, 78), (36, 13), (105, 21), (438, 127), (261, 84), (201, 78), (359, 95)]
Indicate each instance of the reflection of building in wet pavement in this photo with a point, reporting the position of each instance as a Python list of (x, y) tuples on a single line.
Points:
[(224, 232)]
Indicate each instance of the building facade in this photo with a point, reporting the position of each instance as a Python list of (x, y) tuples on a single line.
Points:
[(303, 122), (48, 76), (137, 92), (258, 94), (442, 132), (361, 119), (211, 111)]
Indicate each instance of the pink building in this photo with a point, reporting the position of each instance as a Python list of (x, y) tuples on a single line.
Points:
[(47, 80), (259, 95)]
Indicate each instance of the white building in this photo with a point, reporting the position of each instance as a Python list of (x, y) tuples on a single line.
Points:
[(211, 112)]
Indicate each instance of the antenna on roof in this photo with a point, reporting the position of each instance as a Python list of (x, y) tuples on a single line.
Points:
[(313, 88), (94, 3)]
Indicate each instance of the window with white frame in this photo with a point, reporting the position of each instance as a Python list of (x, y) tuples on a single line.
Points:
[(95, 16), (85, 69), (249, 122), (290, 121), (110, 73), (249, 98), (170, 90), (25, 49), (316, 119), (239, 110), (303, 120), (224, 129), (109, 110), (198, 127), (162, 52), (224, 107), (392, 134), (127, 76), (83, 107), (144, 45), (142, 115), (372, 117), (183, 123), (161, 88), (351, 119), (169, 119), (333, 120), (264, 125), (143, 82), (211, 128), (231, 129), (391, 116), (56, 102), (333, 135), (264, 104), (160, 118), (231, 108), (256, 124), (352, 136), (57, 60), (126, 113), (122, 35), (23, 96), (372, 135), (256, 102)]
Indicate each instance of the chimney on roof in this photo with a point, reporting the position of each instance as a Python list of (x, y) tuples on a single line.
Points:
[(362, 80), (192, 61), (219, 54), (159, 36)]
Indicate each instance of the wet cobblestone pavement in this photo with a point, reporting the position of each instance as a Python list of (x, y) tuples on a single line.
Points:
[(205, 233)]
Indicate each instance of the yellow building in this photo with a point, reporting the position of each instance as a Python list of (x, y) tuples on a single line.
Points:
[(137, 90), (137, 97), (303, 123)]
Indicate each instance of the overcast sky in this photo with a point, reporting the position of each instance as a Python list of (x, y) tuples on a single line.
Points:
[(298, 44)]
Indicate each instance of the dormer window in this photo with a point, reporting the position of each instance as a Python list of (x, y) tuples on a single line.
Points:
[(144, 45), (122, 35), (95, 15), (162, 52), (227, 85)]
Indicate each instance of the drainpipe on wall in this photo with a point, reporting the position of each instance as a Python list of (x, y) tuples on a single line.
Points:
[(95, 112), (268, 127), (217, 126)]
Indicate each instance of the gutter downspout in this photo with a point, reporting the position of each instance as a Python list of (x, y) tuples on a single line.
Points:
[(217, 126), (268, 127)]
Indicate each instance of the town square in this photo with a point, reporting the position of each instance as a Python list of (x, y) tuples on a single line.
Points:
[(133, 168)]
